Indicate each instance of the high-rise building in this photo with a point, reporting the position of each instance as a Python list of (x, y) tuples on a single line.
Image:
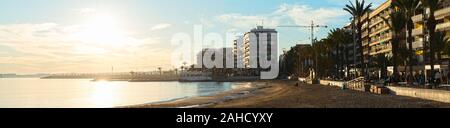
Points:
[(376, 33), (252, 44), (238, 52), (247, 49)]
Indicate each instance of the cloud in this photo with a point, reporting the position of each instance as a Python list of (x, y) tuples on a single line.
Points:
[(247, 21), (375, 3), (87, 11), (160, 26), (284, 15), (50, 47), (304, 14)]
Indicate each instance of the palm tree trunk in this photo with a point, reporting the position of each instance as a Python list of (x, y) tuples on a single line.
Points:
[(395, 57), (409, 39), (432, 32), (347, 63), (338, 62), (359, 42)]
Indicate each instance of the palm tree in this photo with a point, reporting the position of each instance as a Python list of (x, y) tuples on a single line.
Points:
[(358, 10), (340, 38), (432, 6), (403, 51), (409, 7), (446, 50), (381, 60), (441, 42), (306, 54), (334, 38), (160, 71), (397, 25)]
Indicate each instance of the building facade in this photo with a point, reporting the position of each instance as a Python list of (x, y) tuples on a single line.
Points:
[(252, 44), (376, 33), (443, 25), (377, 36)]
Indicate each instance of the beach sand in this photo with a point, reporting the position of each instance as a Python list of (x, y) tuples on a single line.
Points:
[(285, 94)]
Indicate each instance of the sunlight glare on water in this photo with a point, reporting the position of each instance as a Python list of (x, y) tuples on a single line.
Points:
[(43, 93)]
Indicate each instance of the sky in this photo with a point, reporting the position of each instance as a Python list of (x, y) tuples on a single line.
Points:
[(64, 36)]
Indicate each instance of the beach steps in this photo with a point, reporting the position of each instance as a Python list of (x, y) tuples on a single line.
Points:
[(358, 84), (379, 90)]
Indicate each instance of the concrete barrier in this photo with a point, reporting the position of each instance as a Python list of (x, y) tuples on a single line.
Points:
[(428, 94), (332, 83)]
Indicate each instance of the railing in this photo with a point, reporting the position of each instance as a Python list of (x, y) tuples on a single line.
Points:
[(417, 31), (356, 84), (417, 18), (442, 12), (443, 26), (417, 44)]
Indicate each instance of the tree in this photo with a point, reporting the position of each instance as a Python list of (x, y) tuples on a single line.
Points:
[(381, 61), (441, 42), (409, 8), (358, 10), (339, 38), (323, 61), (176, 71), (160, 71), (430, 24), (446, 50), (397, 25), (403, 51)]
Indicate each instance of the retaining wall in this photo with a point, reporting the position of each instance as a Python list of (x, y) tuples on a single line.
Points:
[(428, 94)]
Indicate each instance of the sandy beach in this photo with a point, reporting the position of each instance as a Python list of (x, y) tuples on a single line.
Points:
[(285, 94)]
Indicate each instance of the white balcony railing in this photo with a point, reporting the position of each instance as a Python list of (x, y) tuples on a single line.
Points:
[(417, 31), (442, 13), (443, 26), (438, 14), (417, 44), (417, 18)]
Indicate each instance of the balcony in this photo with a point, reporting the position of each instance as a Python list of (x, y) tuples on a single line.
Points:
[(442, 13), (383, 38), (380, 49), (366, 52), (365, 43), (443, 26), (365, 33), (378, 20), (417, 44), (417, 31), (438, 14), (417, 18), (379, 29)]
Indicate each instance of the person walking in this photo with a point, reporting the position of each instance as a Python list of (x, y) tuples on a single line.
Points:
[(437, 78), (421, 79), (448, 77)]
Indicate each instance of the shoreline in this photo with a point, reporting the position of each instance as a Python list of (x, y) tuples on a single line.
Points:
[(246, 90), (288, 94)]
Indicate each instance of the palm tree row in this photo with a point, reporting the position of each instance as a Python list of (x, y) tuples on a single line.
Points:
[(331, 52)]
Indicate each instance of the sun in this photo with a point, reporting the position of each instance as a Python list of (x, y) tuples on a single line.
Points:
[(101, 29)]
